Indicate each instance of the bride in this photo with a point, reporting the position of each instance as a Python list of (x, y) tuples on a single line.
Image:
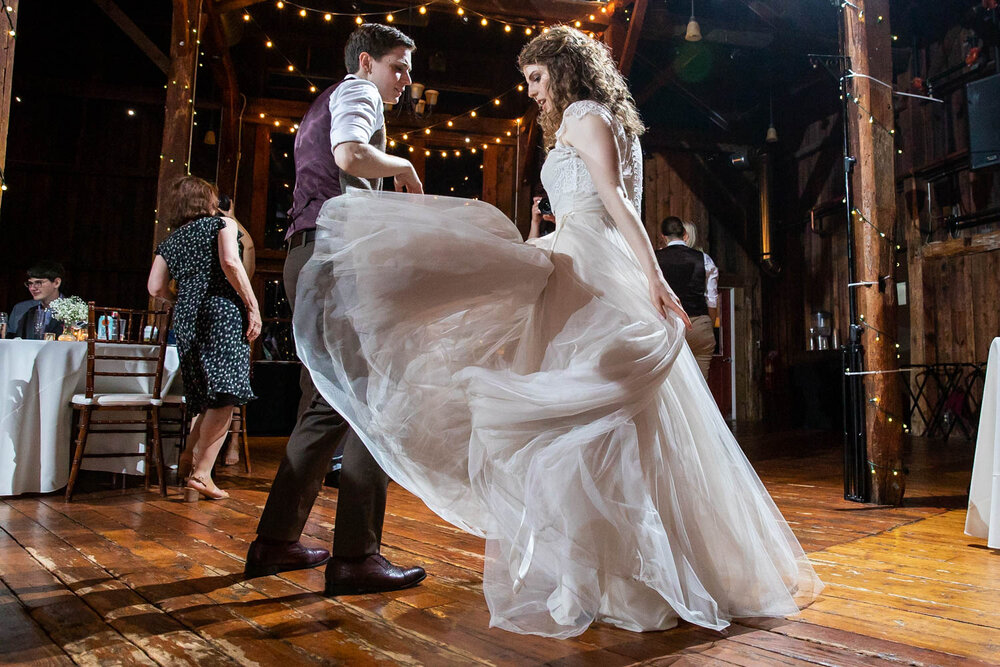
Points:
[(540, 394)]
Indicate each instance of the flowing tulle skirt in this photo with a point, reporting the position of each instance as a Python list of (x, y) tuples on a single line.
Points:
[(530, 394)]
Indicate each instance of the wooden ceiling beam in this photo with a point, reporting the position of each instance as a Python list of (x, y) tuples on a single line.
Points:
[(134, 33), (667, 77), (632, 36)]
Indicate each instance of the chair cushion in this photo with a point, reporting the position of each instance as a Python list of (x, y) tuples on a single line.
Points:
[(116, 399), (172, 399)]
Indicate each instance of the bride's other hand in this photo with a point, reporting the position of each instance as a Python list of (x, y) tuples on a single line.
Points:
[(665, 301), (536, 219)]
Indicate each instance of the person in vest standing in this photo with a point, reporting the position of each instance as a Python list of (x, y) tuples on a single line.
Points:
[(340, 144), (694, 278)]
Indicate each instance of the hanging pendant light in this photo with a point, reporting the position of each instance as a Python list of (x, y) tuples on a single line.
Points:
[(772, 134), (693, 33)]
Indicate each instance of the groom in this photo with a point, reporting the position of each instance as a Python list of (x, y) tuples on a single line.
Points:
[(340, 143)]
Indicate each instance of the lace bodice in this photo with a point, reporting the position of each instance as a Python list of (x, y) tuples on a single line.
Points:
[(565, 176)]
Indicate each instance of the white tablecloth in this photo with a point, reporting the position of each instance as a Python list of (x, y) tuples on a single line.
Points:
[(37, 381), (983, 519)]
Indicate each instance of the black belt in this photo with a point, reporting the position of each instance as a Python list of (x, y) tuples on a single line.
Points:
[(301, 238)]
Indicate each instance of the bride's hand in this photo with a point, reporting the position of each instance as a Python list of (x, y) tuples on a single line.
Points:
[(665, 301)]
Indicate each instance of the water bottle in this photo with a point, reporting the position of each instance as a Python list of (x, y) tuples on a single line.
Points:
[(102, 327), (113, 326)]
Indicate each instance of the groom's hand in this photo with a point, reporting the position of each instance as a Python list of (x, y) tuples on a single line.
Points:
[(408, 181)]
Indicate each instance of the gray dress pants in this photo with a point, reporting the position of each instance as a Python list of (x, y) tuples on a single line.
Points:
[(319, 429)]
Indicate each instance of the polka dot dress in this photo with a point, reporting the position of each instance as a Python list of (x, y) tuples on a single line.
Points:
[(209, 319)]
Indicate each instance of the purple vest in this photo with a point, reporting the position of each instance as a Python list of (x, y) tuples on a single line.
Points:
[(317, 176)]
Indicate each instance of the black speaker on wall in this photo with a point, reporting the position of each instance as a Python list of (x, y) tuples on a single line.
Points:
[(984, 121)]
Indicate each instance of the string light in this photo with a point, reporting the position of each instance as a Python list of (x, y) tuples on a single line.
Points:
[(484, 19), (473, 113)]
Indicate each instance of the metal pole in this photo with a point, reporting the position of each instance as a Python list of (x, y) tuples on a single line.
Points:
[(856, 486)]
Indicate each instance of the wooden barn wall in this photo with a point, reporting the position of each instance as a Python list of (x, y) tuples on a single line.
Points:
[(952, 280), (811, 256), (962, 295), (956, 294), (675, 183), (82, 190)]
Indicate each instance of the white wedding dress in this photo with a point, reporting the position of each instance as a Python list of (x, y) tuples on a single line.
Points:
[(530, 394)]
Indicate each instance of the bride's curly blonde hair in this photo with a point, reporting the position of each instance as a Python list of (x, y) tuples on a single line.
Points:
[(580, 68)]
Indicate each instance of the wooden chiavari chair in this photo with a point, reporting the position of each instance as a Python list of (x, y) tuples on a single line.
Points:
[(135, 389)]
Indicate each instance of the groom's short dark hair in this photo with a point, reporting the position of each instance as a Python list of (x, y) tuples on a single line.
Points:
[(374, 39)]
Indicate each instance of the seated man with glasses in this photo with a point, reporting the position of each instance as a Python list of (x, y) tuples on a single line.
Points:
[(33, 319)]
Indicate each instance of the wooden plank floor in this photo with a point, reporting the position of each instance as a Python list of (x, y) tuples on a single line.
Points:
[(125, 577)]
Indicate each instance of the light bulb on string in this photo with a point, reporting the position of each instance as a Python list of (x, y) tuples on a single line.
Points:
[(328, 17), (302, 13)]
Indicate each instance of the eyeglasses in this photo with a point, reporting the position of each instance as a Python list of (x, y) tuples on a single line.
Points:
[(36, 283)]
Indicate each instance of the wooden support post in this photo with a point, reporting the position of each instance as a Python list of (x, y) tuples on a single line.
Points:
[(529, 132), (868, 45), (418, 159), (225, 77), (7, 42), (491, 177), (179, 105)]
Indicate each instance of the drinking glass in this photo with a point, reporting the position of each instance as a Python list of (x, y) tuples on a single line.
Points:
[(39, 327)]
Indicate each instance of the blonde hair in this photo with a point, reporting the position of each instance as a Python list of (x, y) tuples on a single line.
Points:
[(580, 68)]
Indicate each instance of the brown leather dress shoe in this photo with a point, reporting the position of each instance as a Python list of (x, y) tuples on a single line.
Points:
[(370, 574), (266, 557)]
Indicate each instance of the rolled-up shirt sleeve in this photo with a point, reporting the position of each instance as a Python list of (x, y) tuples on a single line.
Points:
[(711, 282), (356, 112)]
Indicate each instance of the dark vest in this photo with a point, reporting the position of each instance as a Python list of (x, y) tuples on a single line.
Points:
[(684, 269), (317, 176)]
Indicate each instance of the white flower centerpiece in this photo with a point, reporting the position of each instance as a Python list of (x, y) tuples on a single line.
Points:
[(72, 311)]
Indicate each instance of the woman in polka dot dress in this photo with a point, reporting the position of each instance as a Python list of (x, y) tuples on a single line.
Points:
[(216, 317)]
